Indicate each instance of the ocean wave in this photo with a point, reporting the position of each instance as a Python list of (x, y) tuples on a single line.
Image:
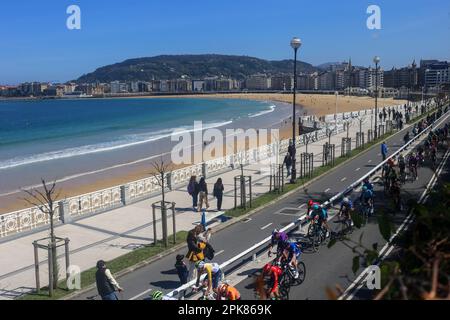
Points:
[(272, 109), (124, 142)]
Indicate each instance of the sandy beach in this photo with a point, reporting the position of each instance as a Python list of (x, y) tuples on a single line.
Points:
[(314, 104), (310, 104)]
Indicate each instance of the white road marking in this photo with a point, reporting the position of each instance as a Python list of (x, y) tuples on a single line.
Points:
[(326, 190), (357, 169), (248, 220), (220, 252), (266, 226), (301, 206), (343, 179), (369, 161), (140, 294)]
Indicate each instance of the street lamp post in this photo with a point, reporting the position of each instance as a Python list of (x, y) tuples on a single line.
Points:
[(335, 112), (295, 44), (377, 61)]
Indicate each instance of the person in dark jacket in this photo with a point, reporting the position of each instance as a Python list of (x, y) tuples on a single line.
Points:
[(288, 163), (182, 269), (106, 284), (218, 193), (193, 190), (203, 194)]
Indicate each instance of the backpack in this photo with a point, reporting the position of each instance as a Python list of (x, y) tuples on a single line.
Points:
[(190, 188), (209, 252)]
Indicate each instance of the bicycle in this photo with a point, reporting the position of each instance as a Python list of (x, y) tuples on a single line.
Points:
[(317, 234), (366, 211), (347, 223)]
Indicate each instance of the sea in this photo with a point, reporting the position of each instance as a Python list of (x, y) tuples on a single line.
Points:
[(64, 139)]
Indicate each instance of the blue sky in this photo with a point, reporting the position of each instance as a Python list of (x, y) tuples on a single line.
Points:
[(36, 45)]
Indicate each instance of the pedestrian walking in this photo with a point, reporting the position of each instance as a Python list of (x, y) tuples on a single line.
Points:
[(203, 194), (218, 193), (106, 284), (384, 150), (288, 163), (193, 190), (291, 150)]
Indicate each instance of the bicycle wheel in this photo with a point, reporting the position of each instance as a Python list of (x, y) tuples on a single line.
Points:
[(284, 287), (301, 269), (316, 241)]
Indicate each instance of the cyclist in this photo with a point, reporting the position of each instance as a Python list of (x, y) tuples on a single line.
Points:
[(290, 253), (273, 273), (366, 197), (278, 239), (322, 216), (413, 164), (367, 183), (395, 192), (346, 207), (214, 275), (310, 204), (228, 292)]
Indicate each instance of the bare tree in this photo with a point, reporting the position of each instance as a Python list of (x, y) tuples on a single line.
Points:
[(160, 170), (46, 201)]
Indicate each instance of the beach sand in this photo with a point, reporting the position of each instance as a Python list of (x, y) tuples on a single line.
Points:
[(312, 105)]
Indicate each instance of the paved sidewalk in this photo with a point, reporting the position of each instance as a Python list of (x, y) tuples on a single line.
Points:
[(117, 232)]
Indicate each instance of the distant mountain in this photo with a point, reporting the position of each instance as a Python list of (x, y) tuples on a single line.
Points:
[(193, 66), (327, 65)]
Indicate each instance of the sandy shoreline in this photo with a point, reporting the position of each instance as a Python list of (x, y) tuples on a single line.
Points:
[(312, 104), (315, 104)]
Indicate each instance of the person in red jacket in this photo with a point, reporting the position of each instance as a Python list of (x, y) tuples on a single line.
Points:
[(274, 272)]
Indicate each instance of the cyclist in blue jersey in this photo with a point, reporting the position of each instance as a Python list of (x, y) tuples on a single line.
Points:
[(366, 197), (346, 207), (290, 253)]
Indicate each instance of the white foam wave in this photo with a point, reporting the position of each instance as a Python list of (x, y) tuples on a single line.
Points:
[(125, 142), (272, 109)]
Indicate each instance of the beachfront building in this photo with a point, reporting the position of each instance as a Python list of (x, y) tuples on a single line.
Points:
[(282, 82), (118, 87), (258, 82), (224, 84), (403, 77), (198, 85), (437, 74)]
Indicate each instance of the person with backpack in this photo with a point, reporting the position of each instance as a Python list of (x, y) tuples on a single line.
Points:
[(218, 193), (193, 190)]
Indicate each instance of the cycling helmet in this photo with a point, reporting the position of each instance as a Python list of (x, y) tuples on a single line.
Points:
[(200, 264), (275, 231), (315, 207), (364, 188), (222, 288), (156, 295), (310, 203), (346, 200), (267, 268)]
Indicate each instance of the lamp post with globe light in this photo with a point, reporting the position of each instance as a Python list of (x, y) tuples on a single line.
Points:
[(376, 60), (295, 44)]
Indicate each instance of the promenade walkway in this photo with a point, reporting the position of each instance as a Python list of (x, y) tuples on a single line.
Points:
[(114, 233)]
